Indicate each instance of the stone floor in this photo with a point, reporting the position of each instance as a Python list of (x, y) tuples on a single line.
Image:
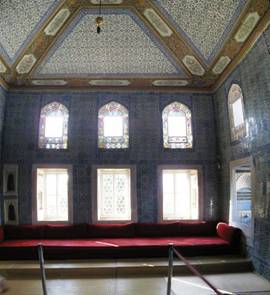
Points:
[(240, 283), (231, 274)]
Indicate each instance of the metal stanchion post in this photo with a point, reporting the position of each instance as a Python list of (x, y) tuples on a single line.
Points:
[(42, 269), (170, 270)]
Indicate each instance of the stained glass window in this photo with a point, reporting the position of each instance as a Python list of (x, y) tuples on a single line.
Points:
[(114, 194), (236, 112), (113, 129), (53, 126), (177, 126)]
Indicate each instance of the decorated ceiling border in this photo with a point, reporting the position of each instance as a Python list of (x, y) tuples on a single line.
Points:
[(180, 72), (32, 33), (233, 50), (243, 5)]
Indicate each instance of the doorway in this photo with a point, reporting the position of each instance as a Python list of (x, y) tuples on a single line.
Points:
[(242, 196)]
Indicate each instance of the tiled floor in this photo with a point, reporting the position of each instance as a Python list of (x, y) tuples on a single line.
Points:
[(245, 283)]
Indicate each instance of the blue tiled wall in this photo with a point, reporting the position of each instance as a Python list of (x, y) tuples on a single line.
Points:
[(2, 113), (253, 74), (21, 137)]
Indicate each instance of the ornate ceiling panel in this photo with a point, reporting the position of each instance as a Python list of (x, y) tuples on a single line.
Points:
[(124, 47), (204, 23), (189, 45), (18, 22)]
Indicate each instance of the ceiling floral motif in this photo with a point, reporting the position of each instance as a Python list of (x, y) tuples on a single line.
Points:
[(174, 45), (18, 22), (125, 46), (204, 23)]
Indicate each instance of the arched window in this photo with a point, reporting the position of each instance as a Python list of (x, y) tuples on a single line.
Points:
[(177, 126), (53, 126), (113, 126), (236, 112)]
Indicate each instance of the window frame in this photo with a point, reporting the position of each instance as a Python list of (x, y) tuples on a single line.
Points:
[(186, 148), (34, 192), (199, 169), (44, 149), (133, 193), (103, 148), (237, 133)]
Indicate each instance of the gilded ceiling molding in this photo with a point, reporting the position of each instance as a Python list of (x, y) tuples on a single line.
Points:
[(247, 27), (204, 24), (4, 84), (157, 22), (174, 43), (49, 82), (193, 65), (221, 65), (3, 68), (248, 45), (108, 82), (19, 23), (41, 42), (166, 83), (78, 51), (130, 89), (57, 22), (26, 64), (107, 2)]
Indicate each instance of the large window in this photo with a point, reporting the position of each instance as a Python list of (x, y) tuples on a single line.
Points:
[(177, 126), (53, 126), (113, 130), (52, 194), (115, 194), (179, 193), (236, 112)]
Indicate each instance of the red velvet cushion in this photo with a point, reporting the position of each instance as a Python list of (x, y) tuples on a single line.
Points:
[(2, 236), (171, 229), (22, 232), (198, 228), (56, 231), (228, 233), (111, 230)]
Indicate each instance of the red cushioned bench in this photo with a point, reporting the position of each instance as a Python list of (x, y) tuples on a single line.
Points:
[(117, 240)]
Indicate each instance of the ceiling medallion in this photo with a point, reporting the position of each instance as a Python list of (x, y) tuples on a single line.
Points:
[(157, 22), (247, 27), (173, 83), (109, 82), (221, 65), (3, 68), (49, 82), (99, 19), (57, 22), (193, 65), (26, 64)]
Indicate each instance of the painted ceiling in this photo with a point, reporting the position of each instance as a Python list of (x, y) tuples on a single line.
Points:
[(143, 44)]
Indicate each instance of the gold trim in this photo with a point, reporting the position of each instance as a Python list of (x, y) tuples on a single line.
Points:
[(115, 89), (176, 45), (4, 84), (248, 45), (28, 50)]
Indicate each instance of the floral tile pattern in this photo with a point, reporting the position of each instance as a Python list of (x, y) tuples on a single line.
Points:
[(123, 47), (204, 25), (18, 20)]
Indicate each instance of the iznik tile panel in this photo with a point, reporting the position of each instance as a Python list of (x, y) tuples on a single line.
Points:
[(18, 22), (124, 46), (205, 23)]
